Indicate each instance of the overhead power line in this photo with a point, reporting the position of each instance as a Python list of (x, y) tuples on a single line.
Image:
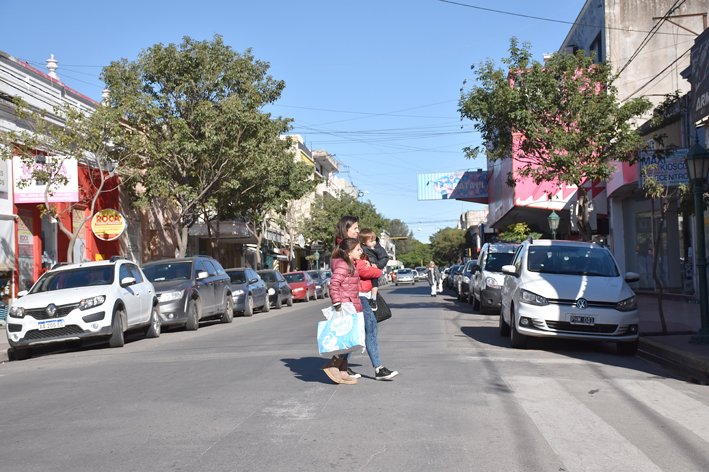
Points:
[(547, 19), (659, 74)]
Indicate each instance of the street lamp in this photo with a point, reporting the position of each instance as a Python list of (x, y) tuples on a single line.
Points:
[(553, 223), (697, 162), (317, 260)]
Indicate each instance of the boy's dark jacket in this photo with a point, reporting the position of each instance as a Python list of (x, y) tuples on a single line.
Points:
[(377, 255)]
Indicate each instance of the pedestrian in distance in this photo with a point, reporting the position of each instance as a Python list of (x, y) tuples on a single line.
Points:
[(376, 255), (433, 275)]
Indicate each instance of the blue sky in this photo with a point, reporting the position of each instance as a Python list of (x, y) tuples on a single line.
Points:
[(375, 83)]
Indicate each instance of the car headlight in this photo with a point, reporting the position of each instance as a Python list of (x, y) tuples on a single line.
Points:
[(318, 286), (491, 282), (169, 296), (532, 298), (238, 293), (91, 302), (629, 304), (298, 289), (466, 279), (17, 312), (271, 291)]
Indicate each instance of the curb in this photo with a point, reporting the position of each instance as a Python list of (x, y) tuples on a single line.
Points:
[(4, 356), (682, 363)]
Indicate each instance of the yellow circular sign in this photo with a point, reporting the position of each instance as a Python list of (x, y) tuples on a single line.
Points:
[(108, 225)]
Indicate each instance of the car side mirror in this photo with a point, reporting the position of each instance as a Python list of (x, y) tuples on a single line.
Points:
[(22, 293), (126, 281), (632, 277), (202, 275), (253, 281), (475, 269), (509, 270)]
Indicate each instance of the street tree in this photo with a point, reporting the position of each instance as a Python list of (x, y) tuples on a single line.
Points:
[(561, 120), (197, 109), (398, 228), (325, 212), (447, 245), (47, 142), (518, 232), (419, 255)]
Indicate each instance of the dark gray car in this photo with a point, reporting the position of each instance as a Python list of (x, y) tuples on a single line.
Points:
[(485, 286), (249, 291), (279, 291), (190, 290), (322, 286)]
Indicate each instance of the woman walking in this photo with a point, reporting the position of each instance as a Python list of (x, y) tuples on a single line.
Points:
[(434, 277), (348, 228)]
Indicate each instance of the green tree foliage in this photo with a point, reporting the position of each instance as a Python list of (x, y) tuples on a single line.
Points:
[(48, 141), (196, 109), (447, 246), (562, 118), (518, 232), (325, 212), (398, 228), (419, 254)]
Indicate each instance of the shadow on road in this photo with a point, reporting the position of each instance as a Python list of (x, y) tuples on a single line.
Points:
[(308, 369)]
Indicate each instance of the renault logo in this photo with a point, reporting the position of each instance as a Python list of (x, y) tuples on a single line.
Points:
[(51, 310), (581, 304)]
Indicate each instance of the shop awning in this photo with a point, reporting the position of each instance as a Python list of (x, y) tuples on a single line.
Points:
[(7, 244)]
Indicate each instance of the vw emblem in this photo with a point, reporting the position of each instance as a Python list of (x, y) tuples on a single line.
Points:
[(581, 304), (51, 310)]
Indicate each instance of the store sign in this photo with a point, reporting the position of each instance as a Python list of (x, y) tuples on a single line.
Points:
[(438, 186), (28, 190), (108, 225), (670, 172), (700, 77)]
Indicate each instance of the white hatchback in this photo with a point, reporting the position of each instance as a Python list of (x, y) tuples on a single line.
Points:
[(86, 300), (570, 290)]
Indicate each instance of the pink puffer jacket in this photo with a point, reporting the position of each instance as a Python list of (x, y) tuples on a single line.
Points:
[(343, 286)]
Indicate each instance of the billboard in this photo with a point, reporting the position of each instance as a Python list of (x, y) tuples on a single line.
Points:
[(458, 185), (670, 172), (34, 192), (700, 77)]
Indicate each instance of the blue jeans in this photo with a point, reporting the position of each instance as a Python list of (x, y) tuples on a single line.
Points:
[(370, 333)]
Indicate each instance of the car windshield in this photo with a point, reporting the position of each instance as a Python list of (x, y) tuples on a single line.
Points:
[(294, 277), (314, 274), (572, 261), (237, 277), (495, 260), (327, 274), (81, 277), (405, 272), (267, 276), (166, 272)]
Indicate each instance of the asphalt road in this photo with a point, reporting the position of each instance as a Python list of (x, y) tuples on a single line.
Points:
[(249, 396)]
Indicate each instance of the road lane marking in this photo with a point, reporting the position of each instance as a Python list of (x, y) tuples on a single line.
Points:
[(529, 360), (670, 403), (579, 437)]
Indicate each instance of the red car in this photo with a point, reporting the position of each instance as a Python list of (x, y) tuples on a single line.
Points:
[(302, 285)]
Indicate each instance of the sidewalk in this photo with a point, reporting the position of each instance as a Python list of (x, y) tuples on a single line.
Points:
[(673, 351)]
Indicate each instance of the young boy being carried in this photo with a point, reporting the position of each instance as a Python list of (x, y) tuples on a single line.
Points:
[(376, 255)]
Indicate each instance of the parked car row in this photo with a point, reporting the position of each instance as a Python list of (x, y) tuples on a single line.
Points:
[(549, 288), (106, 299)]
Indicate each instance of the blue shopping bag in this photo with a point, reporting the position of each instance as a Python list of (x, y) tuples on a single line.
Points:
[(342, 332)]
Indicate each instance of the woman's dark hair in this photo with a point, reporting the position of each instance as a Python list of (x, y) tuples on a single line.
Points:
[(343, 226), (343, 250)]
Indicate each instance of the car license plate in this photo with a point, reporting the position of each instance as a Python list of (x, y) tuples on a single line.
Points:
[(54, 324), (582, 320)]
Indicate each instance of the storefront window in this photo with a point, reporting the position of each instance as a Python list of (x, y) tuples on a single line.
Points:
[(644, 226), (25, 253)]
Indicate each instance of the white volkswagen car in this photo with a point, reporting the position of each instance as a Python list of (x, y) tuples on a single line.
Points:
[(86, 300), (570, 290)]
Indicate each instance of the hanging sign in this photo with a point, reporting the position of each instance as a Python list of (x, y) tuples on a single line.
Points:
[(108, 224)]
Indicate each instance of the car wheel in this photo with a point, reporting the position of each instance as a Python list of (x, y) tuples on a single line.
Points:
[(397, 284), (476, 303), (307, 297), (193, 312), (290, 300), (322, 295), (249, 308), (267, 305), (155, 325), (228, 315), (503, 328), (22, 354), (517, 340), (279, 302), (627, 349), (117, 339), (470, 297), (327, 293)]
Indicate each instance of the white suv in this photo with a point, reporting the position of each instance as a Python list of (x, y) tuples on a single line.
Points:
[(570, 290), (86, 300)]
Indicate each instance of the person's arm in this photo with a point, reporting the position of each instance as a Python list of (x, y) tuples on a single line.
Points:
[(339, 273), (368, 273), (382, 256)]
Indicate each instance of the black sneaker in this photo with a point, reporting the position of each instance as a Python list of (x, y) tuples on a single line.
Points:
[(353, 374), (385, 374), (373, 304)]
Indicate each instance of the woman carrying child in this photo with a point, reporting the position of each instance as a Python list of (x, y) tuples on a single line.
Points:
[(348, 247)]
